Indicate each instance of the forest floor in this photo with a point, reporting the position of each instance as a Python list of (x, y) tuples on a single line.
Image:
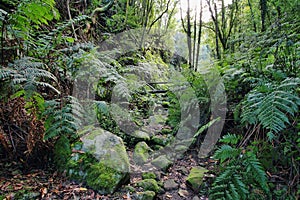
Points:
[(48, 184)]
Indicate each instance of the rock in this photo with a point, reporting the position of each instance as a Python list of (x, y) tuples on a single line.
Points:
[(157, 119), (196, 198), (104, 165), (149, 184), (149, 175), (162, 162), (140, 135), (195, 178), (183, 170), (183, 193), (184, 133), (170, 184), (141, 154), (147, 195)]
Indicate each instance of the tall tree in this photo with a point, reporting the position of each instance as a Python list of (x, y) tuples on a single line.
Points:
[(263, 10)]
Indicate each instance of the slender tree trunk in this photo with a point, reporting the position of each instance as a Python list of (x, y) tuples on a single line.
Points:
[(194, 39), (263, 10), (252, 16), (189, 35), (199, 36), (217, 33)]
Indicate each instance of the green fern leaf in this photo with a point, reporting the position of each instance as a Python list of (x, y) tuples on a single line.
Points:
[(226, 152)]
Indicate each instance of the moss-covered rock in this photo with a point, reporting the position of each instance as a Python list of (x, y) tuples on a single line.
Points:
[(141, 153), (195, 178), (101, 161), (161, 140), (162, 162), (147, 195), (104, 179), (140, 136), (149, 184)]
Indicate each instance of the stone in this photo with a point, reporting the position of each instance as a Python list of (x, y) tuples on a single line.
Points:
[(140, 135), (195, 178), (147, 195), (141, 153), (196, 198), (102, 162), (149, 184), (170, 184), (162, 162), (183, 193), (183, 170)]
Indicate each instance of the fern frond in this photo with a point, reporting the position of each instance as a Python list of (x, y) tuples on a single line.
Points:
[(271, 105), (63, 117), (30, 73), (230, 139), (226, 152), (257, 172)]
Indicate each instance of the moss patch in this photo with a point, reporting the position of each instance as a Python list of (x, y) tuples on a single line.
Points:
[(103, 178), (141, 154), (149, 184), (148, 175), (195, 178)]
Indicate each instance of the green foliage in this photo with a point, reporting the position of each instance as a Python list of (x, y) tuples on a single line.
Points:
[(241, 175), (28, 74), (30, 14), (63, 117), (271, 105), (62, 152)]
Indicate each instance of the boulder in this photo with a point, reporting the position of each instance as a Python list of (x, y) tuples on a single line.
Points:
[(140, 135), (101, 161), (170, 184), (141, 154), (162, 162), (195, 178)]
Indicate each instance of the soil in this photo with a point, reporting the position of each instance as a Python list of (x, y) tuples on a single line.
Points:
[(48, 184)]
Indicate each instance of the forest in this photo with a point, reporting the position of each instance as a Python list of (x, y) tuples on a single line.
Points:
[(150, 99)]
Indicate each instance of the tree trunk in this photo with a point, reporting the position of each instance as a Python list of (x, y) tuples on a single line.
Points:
[(217, 33), (263, 10), (199, 36)]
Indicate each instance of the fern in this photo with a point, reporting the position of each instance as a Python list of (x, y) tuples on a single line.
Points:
[(29, 73), (241, 173), (272, 105), (63, 117), (226, 152)]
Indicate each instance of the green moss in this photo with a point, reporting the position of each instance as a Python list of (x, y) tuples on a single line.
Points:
[(148, 175), (141, 153), (103, 178), (149, 184), (195, 178)]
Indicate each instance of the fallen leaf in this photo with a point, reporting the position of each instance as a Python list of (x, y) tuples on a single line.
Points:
[(43, 192)]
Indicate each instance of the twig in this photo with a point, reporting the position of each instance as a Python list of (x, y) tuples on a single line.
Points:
[(70, 17)]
